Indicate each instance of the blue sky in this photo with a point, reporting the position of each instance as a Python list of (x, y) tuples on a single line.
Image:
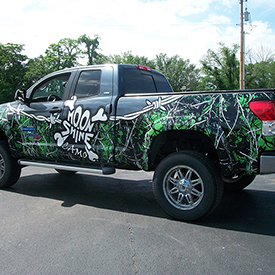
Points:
[(183, 27)]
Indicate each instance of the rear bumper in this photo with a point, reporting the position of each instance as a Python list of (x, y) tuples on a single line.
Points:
[(267, 163)]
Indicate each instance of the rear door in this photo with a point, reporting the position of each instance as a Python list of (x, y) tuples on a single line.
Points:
[(88, 133)]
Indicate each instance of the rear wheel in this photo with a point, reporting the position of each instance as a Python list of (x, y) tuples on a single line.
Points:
[(10, 170), (187, 185)]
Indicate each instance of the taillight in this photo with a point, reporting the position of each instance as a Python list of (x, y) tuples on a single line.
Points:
[(264, 110), (144, 68)]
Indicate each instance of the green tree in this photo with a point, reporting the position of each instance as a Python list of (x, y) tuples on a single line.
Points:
[(260, 75), (92, 47), (129, 58), (12, 70), (36, 69), (181, 74), (220, 69), (63, 55)]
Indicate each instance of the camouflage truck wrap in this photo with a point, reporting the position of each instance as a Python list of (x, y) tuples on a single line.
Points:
[(99, 118)]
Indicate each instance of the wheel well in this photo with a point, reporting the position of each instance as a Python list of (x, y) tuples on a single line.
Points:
[(2, 135), (176, 141)]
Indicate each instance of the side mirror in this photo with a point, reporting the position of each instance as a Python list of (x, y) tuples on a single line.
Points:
[(20, 95)]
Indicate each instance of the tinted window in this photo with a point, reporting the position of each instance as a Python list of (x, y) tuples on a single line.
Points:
[(137, 82), (162, 84), (88, 84), (51, 89)]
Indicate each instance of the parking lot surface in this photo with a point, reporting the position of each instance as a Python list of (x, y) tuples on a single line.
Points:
[(88, 224)]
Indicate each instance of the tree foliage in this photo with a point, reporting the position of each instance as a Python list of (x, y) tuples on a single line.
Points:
[(260, 75), (12, 70), (63, 55), (221, 69), (36, 69), (129, 58), (263, 53), (180, 73), (92, 47)]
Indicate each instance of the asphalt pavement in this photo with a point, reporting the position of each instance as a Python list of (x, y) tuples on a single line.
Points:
[(90, 224)]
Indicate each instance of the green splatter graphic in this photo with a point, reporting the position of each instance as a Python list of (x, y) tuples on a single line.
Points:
[(126, 139)]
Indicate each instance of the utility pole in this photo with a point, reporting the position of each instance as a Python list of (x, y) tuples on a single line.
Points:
[(242, 79), (244, 16)]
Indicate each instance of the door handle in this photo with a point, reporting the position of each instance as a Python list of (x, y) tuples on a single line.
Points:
[(55, 110)]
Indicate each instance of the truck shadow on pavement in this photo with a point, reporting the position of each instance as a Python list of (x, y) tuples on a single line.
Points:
[(251, 211)]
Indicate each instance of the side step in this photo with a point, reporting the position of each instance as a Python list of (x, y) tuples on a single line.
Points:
[(102, 170)]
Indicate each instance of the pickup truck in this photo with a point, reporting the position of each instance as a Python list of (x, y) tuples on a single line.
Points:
[(105, 117)]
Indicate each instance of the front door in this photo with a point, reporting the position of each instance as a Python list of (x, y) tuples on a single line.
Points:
[(37, 121)]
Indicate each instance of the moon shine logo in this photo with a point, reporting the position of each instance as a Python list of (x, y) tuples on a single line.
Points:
[(78, 126)]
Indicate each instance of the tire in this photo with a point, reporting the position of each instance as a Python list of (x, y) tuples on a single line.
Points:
[(65, 172), (10, 170), (237, 184), (187, 185)]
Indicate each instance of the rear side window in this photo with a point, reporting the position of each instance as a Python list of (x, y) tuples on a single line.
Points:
[(88, 84), (137, 82), (162, 84)]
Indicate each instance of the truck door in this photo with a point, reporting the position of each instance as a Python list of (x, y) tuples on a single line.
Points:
[(41, 116), (87, 130)]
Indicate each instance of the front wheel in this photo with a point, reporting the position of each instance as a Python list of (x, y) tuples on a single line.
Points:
[(187, 185), (10, 170)]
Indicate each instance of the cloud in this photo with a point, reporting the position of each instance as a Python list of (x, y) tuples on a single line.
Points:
[(217, 19), (186, 28), (260, 34)]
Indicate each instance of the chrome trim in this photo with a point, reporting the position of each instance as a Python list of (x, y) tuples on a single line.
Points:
[(103, 170)]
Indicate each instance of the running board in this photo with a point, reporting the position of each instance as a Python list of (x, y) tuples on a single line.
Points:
[(102, 170)]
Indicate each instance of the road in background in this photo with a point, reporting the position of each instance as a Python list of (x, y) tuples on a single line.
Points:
[(87, 224)]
